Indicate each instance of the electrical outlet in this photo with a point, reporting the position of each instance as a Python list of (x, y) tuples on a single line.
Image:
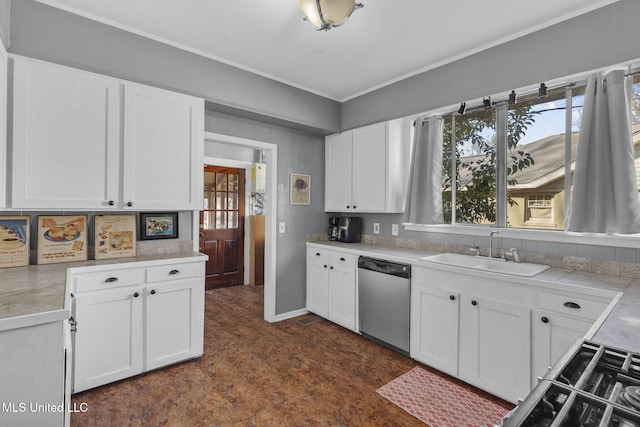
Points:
[(394, 229), (376, 228), (281, 227)]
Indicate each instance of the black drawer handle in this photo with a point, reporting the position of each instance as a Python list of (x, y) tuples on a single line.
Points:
[(474, 302), (544, 319), (174, 272), (452, 297), (153, 292), (325, 266), (317, 253), (570, 304), (342, 259), (136, 294), (111, 280)]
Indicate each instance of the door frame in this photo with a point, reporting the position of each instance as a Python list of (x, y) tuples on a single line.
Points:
[(219, 161), (271, 203)]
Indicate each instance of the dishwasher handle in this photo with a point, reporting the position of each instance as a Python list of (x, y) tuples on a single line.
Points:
[(385, 267)]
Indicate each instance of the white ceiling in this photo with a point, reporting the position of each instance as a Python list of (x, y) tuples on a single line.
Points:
[(383, 42)]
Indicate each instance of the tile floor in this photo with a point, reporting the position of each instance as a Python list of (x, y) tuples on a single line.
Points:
[(254, 373)]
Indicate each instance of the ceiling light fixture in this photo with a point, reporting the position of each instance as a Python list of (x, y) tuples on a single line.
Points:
[(326, 14), (512, 97), (463, 107), (542, 92)]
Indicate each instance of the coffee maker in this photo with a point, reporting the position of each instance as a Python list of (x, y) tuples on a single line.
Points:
[(333, 233), (347, 229)]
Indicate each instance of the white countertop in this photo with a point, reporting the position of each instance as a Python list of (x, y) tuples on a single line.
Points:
[(36, 294)]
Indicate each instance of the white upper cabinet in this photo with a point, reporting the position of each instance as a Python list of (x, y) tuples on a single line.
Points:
[(338, 158), (66, 137), (367, 168), (3, 125), (161, 149), (86, 141)]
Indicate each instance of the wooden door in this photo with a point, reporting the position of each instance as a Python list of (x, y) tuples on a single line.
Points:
[(222, 226)]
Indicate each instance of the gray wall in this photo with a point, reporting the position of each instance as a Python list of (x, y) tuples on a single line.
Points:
[(40, 31), (5, 13), (298, 152), (598, 39)]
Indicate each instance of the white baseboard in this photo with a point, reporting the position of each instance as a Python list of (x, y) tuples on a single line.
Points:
[(290, 315)]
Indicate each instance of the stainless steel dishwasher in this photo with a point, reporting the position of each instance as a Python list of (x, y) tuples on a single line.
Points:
[(384, 296)]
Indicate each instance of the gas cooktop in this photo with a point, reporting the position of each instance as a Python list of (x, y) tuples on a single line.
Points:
[(592, 386)]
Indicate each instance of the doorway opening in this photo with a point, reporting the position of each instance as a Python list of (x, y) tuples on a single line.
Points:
[(270, 205)]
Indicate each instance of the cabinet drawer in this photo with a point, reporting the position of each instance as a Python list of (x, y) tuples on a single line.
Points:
[(107, 279), (572, 305), (348, 260), (173, 272), (317, 255)]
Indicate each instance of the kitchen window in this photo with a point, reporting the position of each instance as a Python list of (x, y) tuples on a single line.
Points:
[(535, 141), (541, 139)]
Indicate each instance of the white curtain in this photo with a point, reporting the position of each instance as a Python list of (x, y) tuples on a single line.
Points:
[(605, 193), (425, 204)]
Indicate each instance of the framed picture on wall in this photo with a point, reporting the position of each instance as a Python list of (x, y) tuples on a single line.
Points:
[(158, 226), (115, 236), (300, 189), (14, 241), (62, 238)]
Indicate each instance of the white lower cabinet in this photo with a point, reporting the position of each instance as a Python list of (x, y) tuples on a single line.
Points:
[(474, 328), (435, 346), (561, 319), (495, 346), (131, 320), (331, 286), (108, 339), (33, 374)]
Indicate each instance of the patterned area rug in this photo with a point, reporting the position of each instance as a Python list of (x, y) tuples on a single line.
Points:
[(439, 402)]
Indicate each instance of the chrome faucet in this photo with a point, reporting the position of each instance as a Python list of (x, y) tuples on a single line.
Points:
[(491, 242)]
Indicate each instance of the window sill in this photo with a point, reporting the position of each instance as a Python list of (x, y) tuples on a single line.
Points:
[(617, 240)]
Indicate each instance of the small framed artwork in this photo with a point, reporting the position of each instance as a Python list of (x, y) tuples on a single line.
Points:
[(115, 236), (300, 189), (14, 241), (62, 238), (158, 226)]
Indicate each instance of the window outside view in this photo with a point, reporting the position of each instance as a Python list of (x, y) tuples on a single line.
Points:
[(536, 139), (536, 188), (475, 177)]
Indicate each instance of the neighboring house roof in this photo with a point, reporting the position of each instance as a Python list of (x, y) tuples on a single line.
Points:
[(548, 156)]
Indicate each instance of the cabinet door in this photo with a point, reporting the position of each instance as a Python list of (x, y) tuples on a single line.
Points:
[(163, 143), (342, 296), (318, 288), (338, 168), (370, 168), (108, 340), (434, 327), (495, 347), (66, 135), (32, 372), (174, 321), (3, 125), (554, 335)]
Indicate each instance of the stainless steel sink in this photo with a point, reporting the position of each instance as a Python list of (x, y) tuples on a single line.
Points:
[(522, 269)]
